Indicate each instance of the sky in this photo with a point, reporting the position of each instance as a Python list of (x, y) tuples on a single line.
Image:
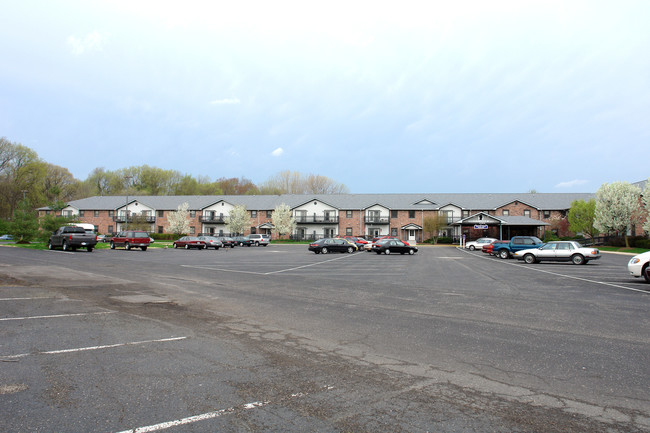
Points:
[(384, 97)]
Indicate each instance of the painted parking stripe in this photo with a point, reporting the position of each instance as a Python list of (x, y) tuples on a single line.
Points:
[(54, 316), (27, 299), (85, 349), (210, 415), (646, 292)]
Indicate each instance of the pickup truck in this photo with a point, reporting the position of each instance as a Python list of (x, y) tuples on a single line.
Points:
[(517, 243), (69, 238)]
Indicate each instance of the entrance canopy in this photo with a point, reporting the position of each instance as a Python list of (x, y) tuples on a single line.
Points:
[(484, 221)]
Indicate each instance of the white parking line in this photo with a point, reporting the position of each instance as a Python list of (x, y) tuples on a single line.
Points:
[(85, 349), (529, 267), (27, 299), (210, 415), (54, 316)]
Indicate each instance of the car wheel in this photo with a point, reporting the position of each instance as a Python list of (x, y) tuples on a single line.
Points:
[(578, 259), (504, 254), (175, 245), (529, 258), (112, 246), (257, 244), (187, 246), (127, 246), (90, 249), (411, 252), (387, 252), (472, 247), (646, 273), (49, 246), (324, 250), (350, 250), (143, 248), (65, 247)]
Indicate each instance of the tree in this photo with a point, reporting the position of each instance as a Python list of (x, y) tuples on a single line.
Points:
[(50, 223), (433, 225), (25, 222), (238, 220), (582, 217), (293, 182), (646, 206), (283, 221), (616, 204), (178, 220)]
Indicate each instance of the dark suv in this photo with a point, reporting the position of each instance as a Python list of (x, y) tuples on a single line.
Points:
[(131, 239)]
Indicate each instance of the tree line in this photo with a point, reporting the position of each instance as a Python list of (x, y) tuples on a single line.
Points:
[(26, 178)]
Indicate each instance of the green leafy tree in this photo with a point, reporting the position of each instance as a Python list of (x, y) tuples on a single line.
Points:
[(24, 226), (139, 222), (238, 220), (283, 221), (582, 217), (616, 205)]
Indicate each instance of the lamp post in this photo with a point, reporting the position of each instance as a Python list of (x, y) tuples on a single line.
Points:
[(126, 208)]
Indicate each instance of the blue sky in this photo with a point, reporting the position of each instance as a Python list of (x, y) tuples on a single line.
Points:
[(435, 96)]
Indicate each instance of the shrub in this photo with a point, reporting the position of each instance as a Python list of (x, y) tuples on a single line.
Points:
[(445, 240)]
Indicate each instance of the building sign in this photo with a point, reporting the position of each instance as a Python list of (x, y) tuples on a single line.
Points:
[(481, 226)]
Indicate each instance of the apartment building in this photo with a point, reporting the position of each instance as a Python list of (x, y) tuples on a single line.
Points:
[(473, 215)]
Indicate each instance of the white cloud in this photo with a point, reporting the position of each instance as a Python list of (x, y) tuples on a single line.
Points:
[(277, 152), (225, 101), (571, 183), (92, 42)]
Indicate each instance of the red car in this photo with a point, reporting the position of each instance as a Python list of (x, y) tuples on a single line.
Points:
[(489, 248), (131, 239), (188, 242)]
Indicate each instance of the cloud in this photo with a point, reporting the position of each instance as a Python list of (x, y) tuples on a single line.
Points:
[(571, 183), (225, 101), (277, 152), (92, 42)]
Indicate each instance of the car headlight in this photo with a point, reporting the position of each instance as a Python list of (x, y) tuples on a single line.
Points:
[(634, 261)]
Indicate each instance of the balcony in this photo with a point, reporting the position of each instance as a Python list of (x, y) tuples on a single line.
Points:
[(377, 219), (212, 219), (131, 218), (316, 219)]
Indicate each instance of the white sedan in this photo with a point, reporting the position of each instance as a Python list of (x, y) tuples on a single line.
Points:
[(559, 251), (638, 266), (478, 244)]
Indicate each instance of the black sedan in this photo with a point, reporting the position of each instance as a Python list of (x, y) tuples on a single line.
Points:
[(332, 245), (390, 246)]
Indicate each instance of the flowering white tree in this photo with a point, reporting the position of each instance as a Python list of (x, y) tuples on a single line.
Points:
[(238, 220), (178, 220), (283, 221), (616, 205), (646, 205)]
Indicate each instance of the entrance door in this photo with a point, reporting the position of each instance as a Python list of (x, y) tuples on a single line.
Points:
[(411, 235)]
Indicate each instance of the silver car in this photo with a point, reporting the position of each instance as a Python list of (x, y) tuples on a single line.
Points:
[(559, 251)]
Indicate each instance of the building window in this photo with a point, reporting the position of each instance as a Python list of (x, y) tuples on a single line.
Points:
[(465, 213), (547, 214), (160, 229), (192, 214), (110, 229), (253, 230), (348, 214), (66, 213), (111, 213), (253, 214), (192, 230), (269, 214), (411, 214), (393, 231), (96, 214), (527, 213), (348, 231), (506, 212), (161, 213), (82, 213), (393, 213)]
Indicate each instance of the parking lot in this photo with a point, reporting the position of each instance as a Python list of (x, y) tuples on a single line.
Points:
[(279, 339)]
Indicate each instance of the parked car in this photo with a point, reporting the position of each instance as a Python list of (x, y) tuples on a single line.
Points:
[(517, 243), (358, 241), (390, 246), (211, 242), (489, 248), (479, 243), (332, 245), (559, 251), (6, 238), (242, 241), (131, 239), (259, 239), (638, 266), (227, 241), (71, 238), (188, 242), (101, 238)]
